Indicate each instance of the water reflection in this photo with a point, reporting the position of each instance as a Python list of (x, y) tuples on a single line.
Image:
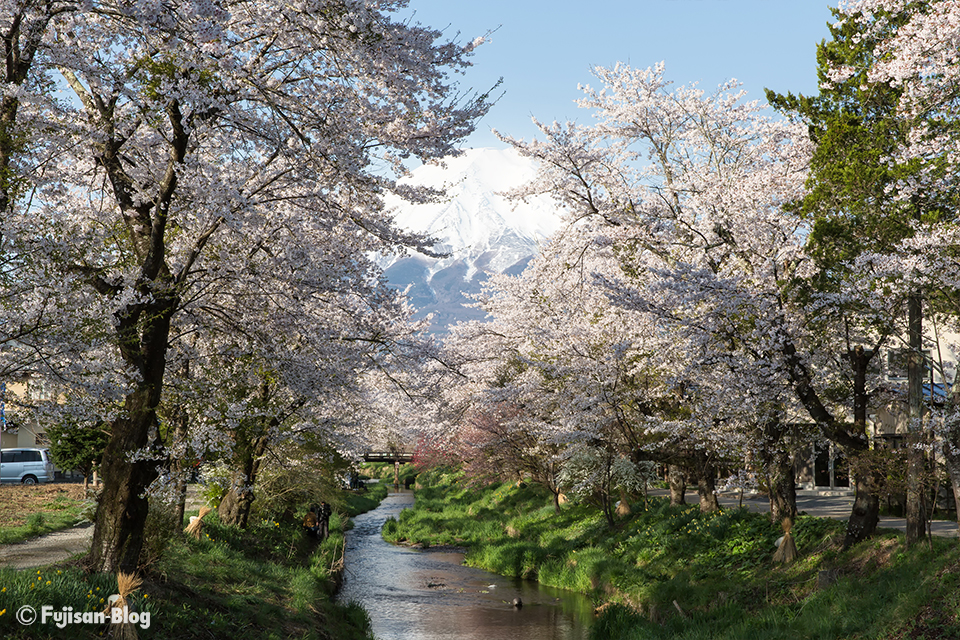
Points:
[(427, 595)]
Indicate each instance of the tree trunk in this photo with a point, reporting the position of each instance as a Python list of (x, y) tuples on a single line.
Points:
[(180, 507), (234, 509), (707, 489), (868, 479), (915, 511), (678, 485), (182, 464), (122, 508), (781, 475), (707, 485), (866, 508), (783, 487), (608, 511), (623, 509)]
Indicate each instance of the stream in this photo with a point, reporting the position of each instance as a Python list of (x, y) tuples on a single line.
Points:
[(413, 594)]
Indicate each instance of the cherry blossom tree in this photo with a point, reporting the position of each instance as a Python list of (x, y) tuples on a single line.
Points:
[(915, 55), (692, 191), (916, 52), (213, 155), (686, 189)]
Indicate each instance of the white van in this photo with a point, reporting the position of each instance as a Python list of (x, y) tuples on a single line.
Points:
[(26, 466)]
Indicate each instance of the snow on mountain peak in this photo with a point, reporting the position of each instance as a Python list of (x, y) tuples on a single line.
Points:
[(473, 219)]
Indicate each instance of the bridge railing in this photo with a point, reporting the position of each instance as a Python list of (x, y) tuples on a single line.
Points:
[(387, 456)]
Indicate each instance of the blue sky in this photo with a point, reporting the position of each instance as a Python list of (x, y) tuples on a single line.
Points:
[(544, 48)]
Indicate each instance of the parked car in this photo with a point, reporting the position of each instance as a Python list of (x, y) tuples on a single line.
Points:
[(26, 466)]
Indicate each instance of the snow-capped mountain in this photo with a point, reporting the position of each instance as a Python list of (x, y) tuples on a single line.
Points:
[(482, 231)]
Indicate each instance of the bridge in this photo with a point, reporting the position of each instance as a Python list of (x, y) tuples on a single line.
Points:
[(397, 457)]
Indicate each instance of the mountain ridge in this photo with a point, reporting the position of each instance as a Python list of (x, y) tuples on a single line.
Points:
[(481, 229)]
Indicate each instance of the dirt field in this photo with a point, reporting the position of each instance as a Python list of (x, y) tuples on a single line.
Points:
[(18, 502)]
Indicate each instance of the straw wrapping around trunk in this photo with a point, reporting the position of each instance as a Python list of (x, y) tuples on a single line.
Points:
[(787, 551), (127, 583), (196, 523)]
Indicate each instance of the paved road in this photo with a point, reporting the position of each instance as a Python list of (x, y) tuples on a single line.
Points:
[(816, 503)]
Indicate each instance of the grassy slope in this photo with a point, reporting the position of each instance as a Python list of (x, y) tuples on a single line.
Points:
[(667, 572), (269, 581)]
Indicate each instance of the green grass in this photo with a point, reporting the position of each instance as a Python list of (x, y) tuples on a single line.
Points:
[(385, 472), (355, 503), (269, 581), (672, 572), (61, 512)]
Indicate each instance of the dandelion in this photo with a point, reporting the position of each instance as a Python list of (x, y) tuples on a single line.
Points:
[(48, 582), (3, 612)]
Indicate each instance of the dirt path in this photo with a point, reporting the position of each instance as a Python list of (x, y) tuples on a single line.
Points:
[(63, 545), (48, 549)]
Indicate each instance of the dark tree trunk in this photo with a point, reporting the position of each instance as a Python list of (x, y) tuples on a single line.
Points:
[(781, 475), (608, 512), (783, 488), (122, 508), (916, 459), (867, 480), (707, 489), (142, 333), (866, 508), (678, 485), (707, 484), (181, 465), (235, 507)]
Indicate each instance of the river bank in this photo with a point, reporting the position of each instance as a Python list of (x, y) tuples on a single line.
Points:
[(671, 572), (264, 582), (416, 594)]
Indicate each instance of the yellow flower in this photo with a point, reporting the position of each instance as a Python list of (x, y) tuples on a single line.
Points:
[(48, 582), (3, 612), (3, 590)]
